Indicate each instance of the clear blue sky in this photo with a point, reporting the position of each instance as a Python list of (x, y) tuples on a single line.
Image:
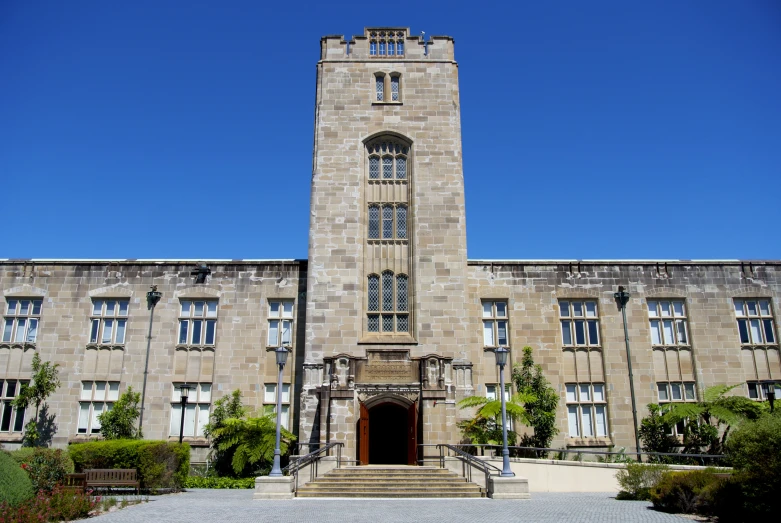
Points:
[(155, 129)]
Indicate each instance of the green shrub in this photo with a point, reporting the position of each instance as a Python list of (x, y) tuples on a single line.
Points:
[(46, 467), (58, 505), (22, 454), (754, 450), (213, 482), (15, 486), (684, 492), (637, 479), (160, 464)]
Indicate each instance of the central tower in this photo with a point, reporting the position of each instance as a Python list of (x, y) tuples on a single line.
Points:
[(387, 328)]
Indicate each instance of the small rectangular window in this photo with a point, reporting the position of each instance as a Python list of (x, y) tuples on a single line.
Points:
[(495, 326), (280, 331)]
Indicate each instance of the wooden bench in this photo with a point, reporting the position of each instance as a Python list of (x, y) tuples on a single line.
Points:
[(74, 481), (106, 478)]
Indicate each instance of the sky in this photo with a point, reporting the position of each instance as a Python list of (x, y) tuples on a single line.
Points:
[(591, 130)]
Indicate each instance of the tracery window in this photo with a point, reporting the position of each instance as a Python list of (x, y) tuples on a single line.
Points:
[(389, 222), (393, 158), (386, 43), (388, 303)]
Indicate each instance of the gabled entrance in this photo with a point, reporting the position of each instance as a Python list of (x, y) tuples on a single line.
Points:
[(388, 431)]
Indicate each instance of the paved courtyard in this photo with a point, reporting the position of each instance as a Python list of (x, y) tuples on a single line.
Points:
[(235, 506)]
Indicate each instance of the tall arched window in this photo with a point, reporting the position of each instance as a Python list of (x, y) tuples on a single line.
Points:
[(389, 234), (388, 303)]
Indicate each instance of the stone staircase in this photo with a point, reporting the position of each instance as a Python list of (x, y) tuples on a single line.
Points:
[(390, 482)]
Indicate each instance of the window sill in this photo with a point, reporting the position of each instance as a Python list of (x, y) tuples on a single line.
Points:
[(199, 441), (83, 438), (589, 442), (11, 437), (387, 339), (387, 103), (17, 344), (120, 346), (195, 347), (386, 241)]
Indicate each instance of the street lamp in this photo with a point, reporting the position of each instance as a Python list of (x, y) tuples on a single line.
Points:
[(184, 393), (281, 354), (152, 297), (622, 298), (771, 393), (501, 360)]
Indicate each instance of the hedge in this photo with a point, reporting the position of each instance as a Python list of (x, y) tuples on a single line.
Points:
[(15, 485), (160, 464), (222, 483)]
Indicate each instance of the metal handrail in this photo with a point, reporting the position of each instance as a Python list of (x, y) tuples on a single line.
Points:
[(313, 457), (468, 461), (595, 452)]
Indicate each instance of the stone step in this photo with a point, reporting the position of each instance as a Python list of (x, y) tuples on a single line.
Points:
[(346, 482), (391, 482), (392, 472), (358, 487), (390, 494), (396, 477)]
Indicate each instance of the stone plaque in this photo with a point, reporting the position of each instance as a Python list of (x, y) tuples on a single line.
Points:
[(388, 367)]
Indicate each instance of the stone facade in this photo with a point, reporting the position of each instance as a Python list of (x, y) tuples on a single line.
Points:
[(387, 134), (68, 290)]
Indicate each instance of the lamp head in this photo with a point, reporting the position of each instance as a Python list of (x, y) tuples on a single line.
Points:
[(152, 297), (184, 390), (281, 354), (501, 356), (622, 296)]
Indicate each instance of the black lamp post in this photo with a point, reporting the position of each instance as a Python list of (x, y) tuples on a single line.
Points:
[(281, 354), (152, 297), (184, 393), (501, 361), (622, 298), (771, 393)]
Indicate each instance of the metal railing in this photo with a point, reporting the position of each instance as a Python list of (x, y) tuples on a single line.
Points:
[(313, 459), (609, 456), (468, 461)]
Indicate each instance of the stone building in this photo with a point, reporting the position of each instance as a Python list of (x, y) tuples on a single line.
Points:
[(389, 323)]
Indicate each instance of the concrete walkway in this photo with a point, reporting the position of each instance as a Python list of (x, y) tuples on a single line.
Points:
[(236, 506)]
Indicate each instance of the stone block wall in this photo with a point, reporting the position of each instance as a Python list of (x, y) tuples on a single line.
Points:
[(238, 360), (533, 290)]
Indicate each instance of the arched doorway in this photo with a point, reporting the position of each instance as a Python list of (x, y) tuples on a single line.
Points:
[(387, 432)]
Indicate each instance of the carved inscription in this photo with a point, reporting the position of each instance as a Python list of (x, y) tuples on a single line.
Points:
[(390, 372)]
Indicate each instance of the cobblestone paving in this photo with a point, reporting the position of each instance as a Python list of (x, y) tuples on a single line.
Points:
[(235, 506)]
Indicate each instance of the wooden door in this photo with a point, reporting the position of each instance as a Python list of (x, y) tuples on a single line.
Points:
[(363, 436), (412, 439)]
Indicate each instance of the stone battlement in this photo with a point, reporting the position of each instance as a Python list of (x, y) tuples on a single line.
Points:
[(387, 44)]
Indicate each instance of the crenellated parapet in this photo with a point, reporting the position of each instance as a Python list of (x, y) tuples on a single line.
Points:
[(387, 44)]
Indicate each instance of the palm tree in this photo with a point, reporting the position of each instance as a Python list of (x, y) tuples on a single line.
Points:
[(485, 428), (706, 419)]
